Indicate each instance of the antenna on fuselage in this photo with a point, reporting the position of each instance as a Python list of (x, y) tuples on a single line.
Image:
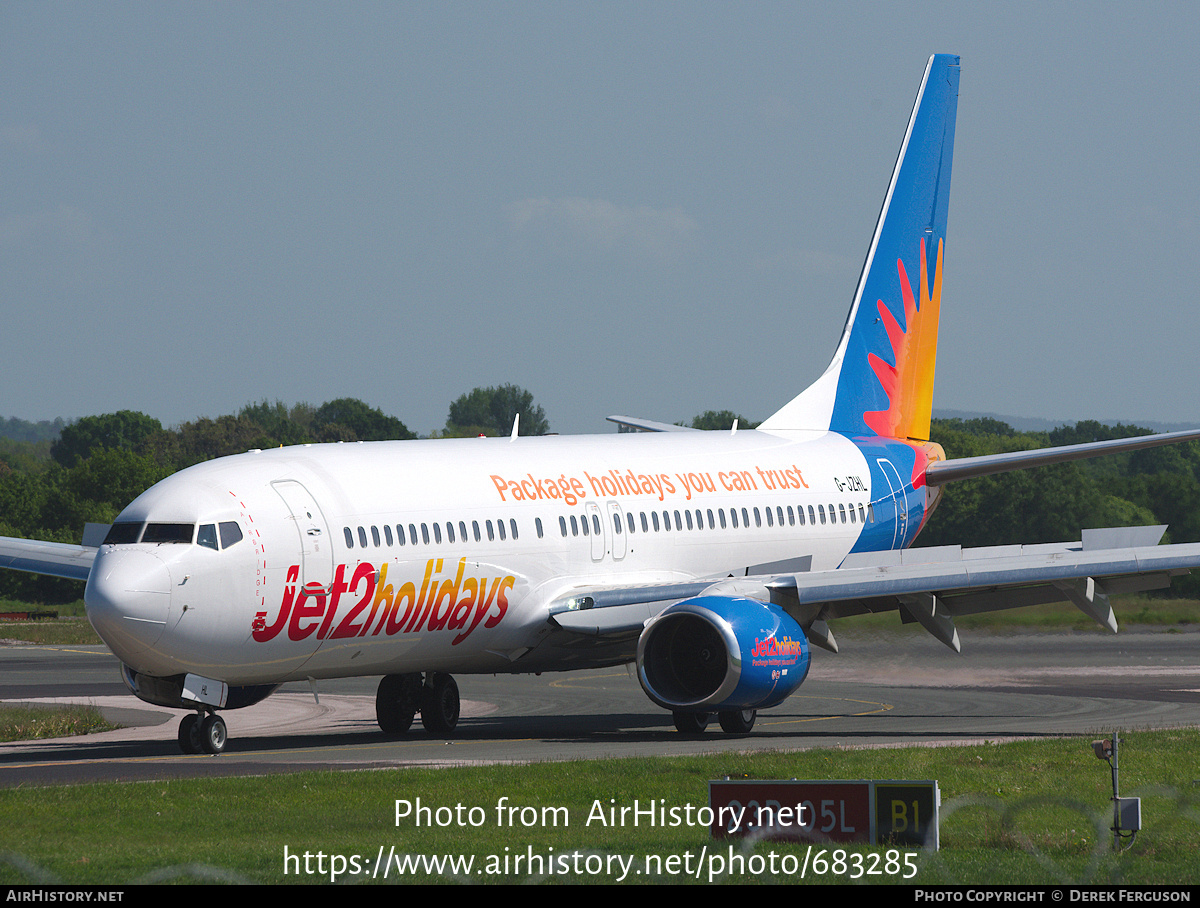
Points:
[(516, 422)]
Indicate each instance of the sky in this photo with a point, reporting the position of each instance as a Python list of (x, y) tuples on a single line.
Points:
[(644, 208)]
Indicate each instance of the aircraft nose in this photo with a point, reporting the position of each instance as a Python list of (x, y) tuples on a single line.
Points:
[(128, 598)]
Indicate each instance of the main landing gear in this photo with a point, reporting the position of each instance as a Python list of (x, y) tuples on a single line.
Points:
[(733, 721), (401, 697), (202, 733)]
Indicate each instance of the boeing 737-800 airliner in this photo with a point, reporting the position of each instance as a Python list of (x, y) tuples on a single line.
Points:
[(711, 559)]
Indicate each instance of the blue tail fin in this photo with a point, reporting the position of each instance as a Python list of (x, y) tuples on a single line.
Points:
[(880, 382)]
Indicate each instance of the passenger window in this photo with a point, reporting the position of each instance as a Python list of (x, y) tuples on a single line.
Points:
[(629, 521), (387, 535), (821, 511), (349, 537), (500, 527), (375, 536), (207, 536), (512, 525), (537, 523), (733, 517), (574, 526), (842, 511), (400, 534), (425, 533), (562, 526), (475, 530), (362, 537), (437, 533), (490, 530), (584, 525), (412, 534), (450, 531)]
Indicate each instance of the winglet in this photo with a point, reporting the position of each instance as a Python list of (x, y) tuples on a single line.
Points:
[(880, 381)]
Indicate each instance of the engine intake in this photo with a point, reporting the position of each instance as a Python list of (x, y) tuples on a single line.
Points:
[(721, 653)]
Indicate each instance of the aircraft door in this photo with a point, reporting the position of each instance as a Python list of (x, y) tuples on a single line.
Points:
[(617, 528), (899, 500), (316, 545), (598, 529)]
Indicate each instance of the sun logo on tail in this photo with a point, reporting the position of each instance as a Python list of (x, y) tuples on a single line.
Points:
[(909, 383)]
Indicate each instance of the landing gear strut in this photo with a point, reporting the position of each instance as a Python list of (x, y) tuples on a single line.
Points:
[(401, 697), (201, 733)]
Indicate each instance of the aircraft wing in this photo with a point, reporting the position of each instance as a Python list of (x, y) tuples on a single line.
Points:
[(931, 586), (57, 559), (633, 424)]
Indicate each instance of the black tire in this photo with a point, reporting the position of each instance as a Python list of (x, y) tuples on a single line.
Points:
[(440, 705), (189, 734), (691, 723), (396, 702), (213, 734), (737, 721)]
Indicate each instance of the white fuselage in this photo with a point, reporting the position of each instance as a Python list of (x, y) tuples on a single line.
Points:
[(443, 555)]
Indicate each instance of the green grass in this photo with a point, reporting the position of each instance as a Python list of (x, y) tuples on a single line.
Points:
[(53, 632), (23, 723), (1031, 812)]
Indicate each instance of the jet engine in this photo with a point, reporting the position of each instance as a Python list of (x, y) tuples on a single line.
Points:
[(717, 653)]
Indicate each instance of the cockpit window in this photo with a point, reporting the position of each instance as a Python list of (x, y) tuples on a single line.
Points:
[(207, 535), (231, 534), (123, 534), (169, 532)]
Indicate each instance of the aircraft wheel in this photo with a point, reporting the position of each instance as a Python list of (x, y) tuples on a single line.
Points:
[(189, 734), (396, 702), (737, 721), (212, 734), (440, 705), (691, 723)]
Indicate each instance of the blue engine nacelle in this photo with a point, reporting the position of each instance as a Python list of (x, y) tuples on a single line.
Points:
[(720, 653)]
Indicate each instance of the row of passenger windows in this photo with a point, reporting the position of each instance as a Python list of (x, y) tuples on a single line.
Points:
[(773, 515), (451, 532), (431, 533)]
